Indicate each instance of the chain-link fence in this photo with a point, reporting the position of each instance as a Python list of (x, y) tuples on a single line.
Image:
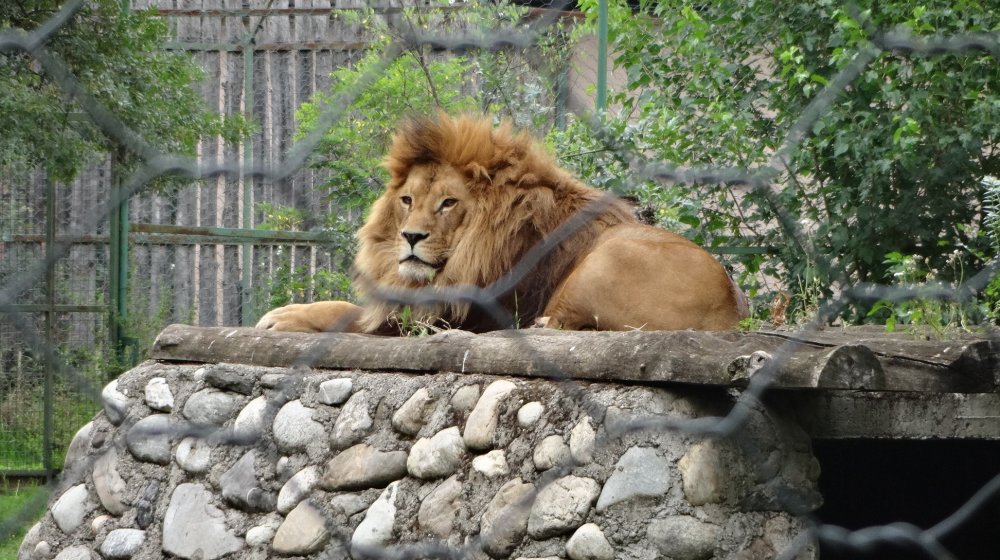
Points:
[(269, 221)]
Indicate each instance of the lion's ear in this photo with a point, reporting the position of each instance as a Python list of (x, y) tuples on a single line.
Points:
[(538, 205)]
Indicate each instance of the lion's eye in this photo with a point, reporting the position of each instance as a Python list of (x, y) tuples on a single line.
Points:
[(406, 200), (448, 203)]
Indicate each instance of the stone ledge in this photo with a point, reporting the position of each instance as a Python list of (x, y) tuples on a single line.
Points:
[(237, 461)]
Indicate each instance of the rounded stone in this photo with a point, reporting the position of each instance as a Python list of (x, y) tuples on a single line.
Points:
[(260, 535), (78, 552), (551, 452), (98, 523), (79, 445), (492, 464), (158, 395), (70, 509), (683, 537), (639, 472), (438, 510), (335, 391), (108, 484), (210, 407), (297, 488), (581, 441), (412, 416), (194, 455), (363, 466), (250, 423), (115, 403), (121, 544), (482, 423), (375, 530), (149, 439), (43, 551), (294, 428), (193, 525), (589, 543), (561, 506), (505, 520), (438, 456), (465, 398), (530, 413), (704, 473), (353, 422), (303, 532)]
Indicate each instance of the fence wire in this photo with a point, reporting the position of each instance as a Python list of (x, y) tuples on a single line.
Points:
[(22, 274)]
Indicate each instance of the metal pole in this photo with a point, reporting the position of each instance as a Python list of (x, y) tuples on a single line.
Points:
[(602, 56), (247, 261), (118, 252), (114, 257), (50, 301)]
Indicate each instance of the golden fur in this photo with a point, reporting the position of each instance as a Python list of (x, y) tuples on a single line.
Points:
[(466, 202)]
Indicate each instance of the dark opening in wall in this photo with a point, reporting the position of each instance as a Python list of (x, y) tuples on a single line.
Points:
[(869, 482)]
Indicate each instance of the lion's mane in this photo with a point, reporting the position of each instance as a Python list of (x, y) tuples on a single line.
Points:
[(522, 197)]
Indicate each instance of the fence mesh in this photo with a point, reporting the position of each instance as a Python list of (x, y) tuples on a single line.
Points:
[(180, 277)]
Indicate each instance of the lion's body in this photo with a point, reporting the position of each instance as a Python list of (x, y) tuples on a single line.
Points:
[(470, 206)]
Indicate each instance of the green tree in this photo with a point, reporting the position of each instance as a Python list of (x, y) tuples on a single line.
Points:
[(117, 57), (893, 165)]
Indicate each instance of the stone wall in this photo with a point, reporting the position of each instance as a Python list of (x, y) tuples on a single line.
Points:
[(222, 460)]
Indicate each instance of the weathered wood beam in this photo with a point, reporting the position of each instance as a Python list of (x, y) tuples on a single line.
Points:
[(703, 358)]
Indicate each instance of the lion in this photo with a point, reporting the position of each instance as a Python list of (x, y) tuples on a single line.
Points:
[(475, 210)]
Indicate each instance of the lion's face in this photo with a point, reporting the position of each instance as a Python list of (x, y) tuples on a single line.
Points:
[(431, 206)]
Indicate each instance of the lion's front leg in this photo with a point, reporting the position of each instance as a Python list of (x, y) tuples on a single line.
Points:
[(322, 316)]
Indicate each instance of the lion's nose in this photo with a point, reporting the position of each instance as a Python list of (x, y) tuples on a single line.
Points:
[(413, 237)]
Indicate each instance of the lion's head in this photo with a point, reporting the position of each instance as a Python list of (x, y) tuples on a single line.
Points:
[(464, 202)]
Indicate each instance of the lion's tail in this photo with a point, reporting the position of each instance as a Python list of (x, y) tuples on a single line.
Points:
[(742, 302)]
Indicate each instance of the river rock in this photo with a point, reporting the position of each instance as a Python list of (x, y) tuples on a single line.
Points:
[(158, 395), (375, 530), (683, 537), (108, 484), (149, 440), (363, 466), (639, 472), (437, 457), (210, 407), (297, 488), (115, 403), (530, 413), (78, 552), (194, 528), (482, 423), (295, 429), (551, 452), (251, 422), (194, 455), (589, 543), (241, 488), (70, 509), (581, 441), (562, 506), (335, 391), (121, 544), (353, 422), (492, 464), (303, 532), (412, 416), (465, 398), (505, 520), (438, 509)]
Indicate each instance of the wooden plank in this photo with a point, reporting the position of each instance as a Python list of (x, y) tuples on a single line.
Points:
[(704, 358), (883, 415)]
